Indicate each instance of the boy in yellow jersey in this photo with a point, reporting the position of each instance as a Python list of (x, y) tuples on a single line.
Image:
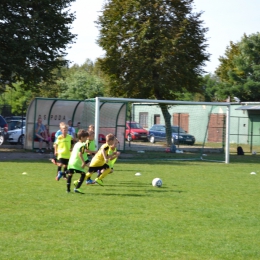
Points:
[(100, 160), (78, 160), (114, 155), (62, 148)]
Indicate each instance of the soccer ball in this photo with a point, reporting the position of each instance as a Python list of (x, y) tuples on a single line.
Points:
[(157, 182)]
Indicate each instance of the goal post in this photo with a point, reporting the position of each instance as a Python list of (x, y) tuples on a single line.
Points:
[(209, 121)]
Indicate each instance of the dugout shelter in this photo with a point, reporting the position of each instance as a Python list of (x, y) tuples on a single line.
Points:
[(112, 117)]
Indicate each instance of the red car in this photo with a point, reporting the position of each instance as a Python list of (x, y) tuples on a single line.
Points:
[(135, 132)]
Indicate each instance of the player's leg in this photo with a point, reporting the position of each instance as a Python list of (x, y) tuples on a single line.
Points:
[(65, 169), (105, 171), (78, 183), (89, 174), (70, 174), (59, 174)]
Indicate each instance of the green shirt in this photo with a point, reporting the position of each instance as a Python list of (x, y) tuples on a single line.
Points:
[(75, 162), (64, 146)]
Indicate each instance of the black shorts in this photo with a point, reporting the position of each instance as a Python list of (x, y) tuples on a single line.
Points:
[(63, 161), (95, 169), (72, 171)]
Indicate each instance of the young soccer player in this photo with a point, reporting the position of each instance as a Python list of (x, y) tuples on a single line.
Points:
[(91, 150), (91, 128), (62, 149), (100, 160), (58, 133), (78, 160), (112, 151)]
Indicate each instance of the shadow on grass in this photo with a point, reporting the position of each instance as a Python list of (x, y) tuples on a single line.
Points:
[(146, 193)]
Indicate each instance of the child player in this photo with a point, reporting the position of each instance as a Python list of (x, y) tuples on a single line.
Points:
[(112, 151), (100, 160), (91, 150), (62, 149), (78, 160)]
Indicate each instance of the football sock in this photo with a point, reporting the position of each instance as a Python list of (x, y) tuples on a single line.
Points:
[(88, 175), (104, 174), (69, 182), (80, 181), (65, 171)]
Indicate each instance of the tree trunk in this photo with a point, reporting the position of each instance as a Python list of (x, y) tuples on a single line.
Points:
[(167, 119)]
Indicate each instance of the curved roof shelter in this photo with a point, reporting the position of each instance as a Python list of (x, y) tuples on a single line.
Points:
[(112, 116)]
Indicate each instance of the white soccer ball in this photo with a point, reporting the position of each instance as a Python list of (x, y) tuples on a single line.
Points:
[(157, 182)]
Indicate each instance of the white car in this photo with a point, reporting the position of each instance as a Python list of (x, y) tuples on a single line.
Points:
[(16, 136)]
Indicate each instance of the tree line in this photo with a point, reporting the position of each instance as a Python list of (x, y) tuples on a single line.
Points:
[(155, 49)]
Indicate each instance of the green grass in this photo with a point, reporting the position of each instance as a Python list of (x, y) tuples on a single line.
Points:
[(203, 211)]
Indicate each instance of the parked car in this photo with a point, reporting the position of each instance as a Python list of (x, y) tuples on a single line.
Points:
[(15, 124), (16, 136), (9, 118), (2, 138), (135, 132), (179, 136), (3, 129)]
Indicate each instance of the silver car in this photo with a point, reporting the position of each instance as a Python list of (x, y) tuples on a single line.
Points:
[(16, 136)]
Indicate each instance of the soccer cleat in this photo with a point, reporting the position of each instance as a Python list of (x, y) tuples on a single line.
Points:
[(78, 191), (88, 182), (59, 176), (98, 181), (75, 183)]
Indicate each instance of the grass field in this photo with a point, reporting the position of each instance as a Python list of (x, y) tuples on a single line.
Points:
[(204, 210)]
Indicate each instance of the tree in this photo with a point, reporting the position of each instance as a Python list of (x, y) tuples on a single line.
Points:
[(81, 85), (33, 39), (154, 49), (82, 82), (18, 98), (239, 69), (212, 88)]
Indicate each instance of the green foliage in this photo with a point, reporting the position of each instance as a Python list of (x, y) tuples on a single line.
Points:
[(154, 49), (240, 68), (213, 89), (203, 211), (81, 85), (18, 98), (82, 82), (34, 36), (77, 82)]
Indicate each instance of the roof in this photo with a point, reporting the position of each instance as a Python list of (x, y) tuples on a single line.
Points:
[(252, 107)]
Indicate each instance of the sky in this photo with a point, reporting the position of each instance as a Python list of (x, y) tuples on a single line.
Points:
[(226, 20)]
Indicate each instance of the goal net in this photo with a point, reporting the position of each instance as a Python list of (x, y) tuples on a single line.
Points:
[(200, 130)]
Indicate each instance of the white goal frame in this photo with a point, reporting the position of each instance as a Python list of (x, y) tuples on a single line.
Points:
[(98, 101)]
